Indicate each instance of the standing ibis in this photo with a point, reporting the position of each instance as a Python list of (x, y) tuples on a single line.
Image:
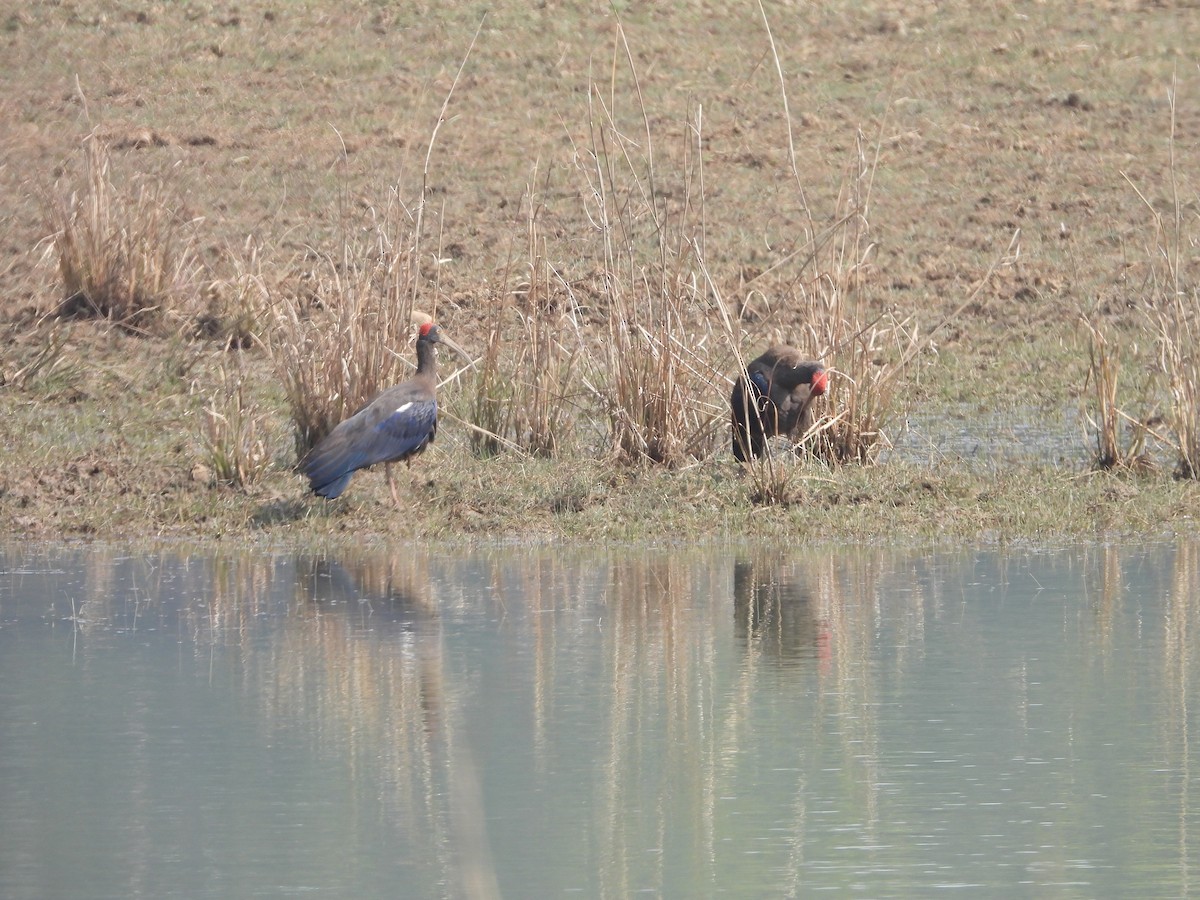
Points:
[(396, 425), (774, 397)]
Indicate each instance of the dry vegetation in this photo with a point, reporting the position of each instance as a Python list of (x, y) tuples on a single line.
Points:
[(121, 254), (928, 200), (1163, 343)]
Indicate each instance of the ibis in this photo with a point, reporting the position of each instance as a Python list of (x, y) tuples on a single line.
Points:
[(774, 397), (397, 425)]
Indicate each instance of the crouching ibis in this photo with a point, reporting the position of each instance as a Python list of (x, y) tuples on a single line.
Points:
[(396, 425), (774, 397)]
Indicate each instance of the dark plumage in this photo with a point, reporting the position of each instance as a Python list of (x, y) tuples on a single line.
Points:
[(776, 399), (396, 425)]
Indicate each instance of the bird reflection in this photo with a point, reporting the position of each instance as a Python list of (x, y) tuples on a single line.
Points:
[(774, 611), (389, 590), (378, 659)]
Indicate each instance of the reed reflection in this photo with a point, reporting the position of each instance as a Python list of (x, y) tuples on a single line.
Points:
[(364, 664), (377, 589), (684, 721)]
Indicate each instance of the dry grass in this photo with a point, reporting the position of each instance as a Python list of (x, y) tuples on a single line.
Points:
[(340, 331), (1174, 319), (1106, 419), (122, 252), (239, 309), (335, 343), (654, 372), (524, 392), (608, 330), (1168, 318), (35, 355), (235, 431), (871, 356), (1179, 346)]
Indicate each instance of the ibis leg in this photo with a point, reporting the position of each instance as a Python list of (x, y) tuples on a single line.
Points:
[(387, 468)]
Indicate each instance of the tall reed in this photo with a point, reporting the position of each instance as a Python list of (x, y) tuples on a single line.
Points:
[(654, 372), (340, 333), (524, 391), (1177, 319), (1170, 314), (870, 355), (341, 329), (1105, 416), (239, 312), (1179, 349), (235, 432)]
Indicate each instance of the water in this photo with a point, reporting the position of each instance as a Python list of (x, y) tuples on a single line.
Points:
[(969, 435), (673, 722)]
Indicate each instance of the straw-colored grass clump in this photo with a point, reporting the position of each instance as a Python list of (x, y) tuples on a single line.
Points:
[(1162, 342), (122, 251)]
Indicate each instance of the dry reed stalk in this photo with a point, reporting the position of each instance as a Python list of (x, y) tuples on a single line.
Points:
[(546, 362), (1173, 317), (870, 354), (1104, 369), (340, 341), (1177, 320), (654, 375), (1179, 350), (239, 306), (122, 253), (35, 356), (523, 392), (492, 406), (1103, 373), (235, 431), (335, 357)]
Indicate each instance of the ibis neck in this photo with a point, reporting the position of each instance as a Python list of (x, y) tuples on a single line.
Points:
[(426, 359)]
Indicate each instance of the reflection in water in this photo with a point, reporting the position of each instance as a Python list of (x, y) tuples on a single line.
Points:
[(529, 723), (371, 624), (773, 610)]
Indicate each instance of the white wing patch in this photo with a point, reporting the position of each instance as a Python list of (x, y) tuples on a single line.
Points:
[(403, 408)]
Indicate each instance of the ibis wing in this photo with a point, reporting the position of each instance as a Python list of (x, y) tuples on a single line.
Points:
[(402, 431), (792, 407), (751, 421)]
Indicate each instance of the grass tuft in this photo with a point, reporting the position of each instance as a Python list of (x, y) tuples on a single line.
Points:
[(238, 310), (340, 329), (122, 253), (1170, 317), (1104, 369), (1180, 359), (524, 390), (235, 431), (653, 373), (37, 356)]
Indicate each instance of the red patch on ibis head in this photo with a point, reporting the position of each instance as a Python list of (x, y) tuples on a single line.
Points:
[(820, 381), (426, 327)]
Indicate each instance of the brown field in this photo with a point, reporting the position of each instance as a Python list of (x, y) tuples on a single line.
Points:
[(980, 176)]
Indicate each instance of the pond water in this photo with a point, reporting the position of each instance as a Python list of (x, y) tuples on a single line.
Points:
[(675, 722)]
